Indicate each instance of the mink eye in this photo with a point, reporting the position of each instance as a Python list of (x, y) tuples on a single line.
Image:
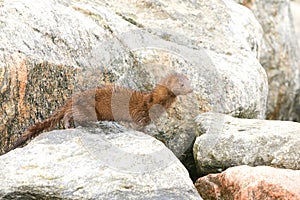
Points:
[(181, 85)]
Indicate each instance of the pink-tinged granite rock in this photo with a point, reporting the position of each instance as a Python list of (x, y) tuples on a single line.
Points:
[(249, 183)]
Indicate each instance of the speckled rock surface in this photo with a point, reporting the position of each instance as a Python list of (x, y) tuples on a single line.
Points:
[(230, 38), (225, 141), (279, 56), (60, 47), (251, 183), (104, 162), (295, 7)]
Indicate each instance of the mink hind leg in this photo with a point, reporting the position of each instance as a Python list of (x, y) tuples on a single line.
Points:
[(68, 120), (141, 121), (84, 116)]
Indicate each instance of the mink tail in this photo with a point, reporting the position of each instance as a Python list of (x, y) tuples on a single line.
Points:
[(36, 129)]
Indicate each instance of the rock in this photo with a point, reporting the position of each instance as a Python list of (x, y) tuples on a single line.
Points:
[(227, 40), (279, 57), (295, 6), (295, 116), (225, 141), (66, 46), (244, 182), (104, 162)]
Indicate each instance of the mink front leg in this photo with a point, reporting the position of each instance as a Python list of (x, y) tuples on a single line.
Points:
[(142, 120)]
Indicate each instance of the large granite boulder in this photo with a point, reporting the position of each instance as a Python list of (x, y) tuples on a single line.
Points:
[(279, 55), (104, 162), (225, 142), (295, 7), (251, 183)]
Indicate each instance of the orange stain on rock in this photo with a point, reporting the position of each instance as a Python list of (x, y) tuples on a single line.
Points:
[(20, 76)]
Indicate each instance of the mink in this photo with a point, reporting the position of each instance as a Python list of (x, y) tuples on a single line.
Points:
[(111, 103)]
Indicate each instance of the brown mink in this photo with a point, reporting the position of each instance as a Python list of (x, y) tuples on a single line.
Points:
[(111, 103)]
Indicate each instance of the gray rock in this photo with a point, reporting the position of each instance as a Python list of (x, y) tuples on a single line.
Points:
[(104, 162), (295, 6), (280, 57), (60, 47), (223, 40), (225, 141), (295, 116)]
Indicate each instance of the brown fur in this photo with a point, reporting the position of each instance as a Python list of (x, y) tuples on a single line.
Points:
[(248, 3), (111, 103)]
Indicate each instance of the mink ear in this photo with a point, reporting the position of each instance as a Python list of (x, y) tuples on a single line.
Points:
[(169, 82)]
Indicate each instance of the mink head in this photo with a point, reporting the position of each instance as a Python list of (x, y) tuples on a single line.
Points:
[(179, 84)]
